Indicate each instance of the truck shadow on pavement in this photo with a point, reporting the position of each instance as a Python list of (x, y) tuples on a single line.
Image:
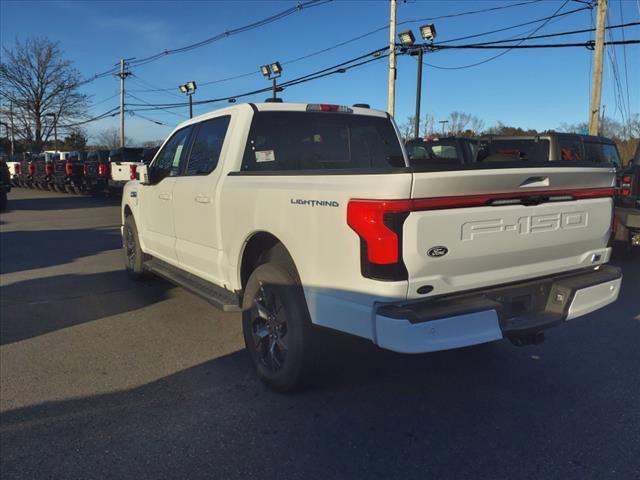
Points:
[(562, 409), (27, 250), (35, 307), (58, 202)]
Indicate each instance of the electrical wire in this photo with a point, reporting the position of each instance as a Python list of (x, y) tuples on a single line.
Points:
[(364, 35), (147, 103), (157, 122), (626, 74), (108, 113), (550, 35), (227, 33), (494, 57)]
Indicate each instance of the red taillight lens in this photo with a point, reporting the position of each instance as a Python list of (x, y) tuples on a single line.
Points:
[(48, 168), (103, 169), (68, 168), (625, 192), (626, 179), (367, 219), (32, 168), (132, 172), (17, 168)]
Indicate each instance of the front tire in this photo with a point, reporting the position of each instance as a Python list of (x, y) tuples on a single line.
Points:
[(134, 257), (276, 327)]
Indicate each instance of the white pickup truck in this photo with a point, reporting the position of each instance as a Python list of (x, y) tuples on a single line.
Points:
[(306, 215)]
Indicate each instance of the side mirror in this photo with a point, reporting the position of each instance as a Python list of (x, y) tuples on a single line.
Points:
[(143, 174)]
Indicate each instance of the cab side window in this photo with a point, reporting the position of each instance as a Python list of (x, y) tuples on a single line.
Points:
[(207, 146), (168, 160)]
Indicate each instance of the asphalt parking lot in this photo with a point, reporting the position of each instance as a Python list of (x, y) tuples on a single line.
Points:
[(102, 377)]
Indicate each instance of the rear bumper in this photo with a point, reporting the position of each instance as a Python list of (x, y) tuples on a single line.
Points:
[(513, 311)]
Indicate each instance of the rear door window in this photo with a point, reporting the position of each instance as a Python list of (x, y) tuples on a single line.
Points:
[(207, 146), (570, 148), (280, 141), (533, 150), (601, 153)]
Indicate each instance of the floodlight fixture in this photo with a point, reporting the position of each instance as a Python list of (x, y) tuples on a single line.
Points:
[(265, 70), (406, 38), (183, 88), (276, 68), (428, 32)]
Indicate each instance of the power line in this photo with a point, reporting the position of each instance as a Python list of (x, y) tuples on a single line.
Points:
[(157, 122), (536, 30), (364, 35), (549, 35), (151, 104), (227, 33), (108, 113), (588, 44)]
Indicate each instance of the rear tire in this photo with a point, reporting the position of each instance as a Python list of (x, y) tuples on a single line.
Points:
[(277, 328), (134, 257)]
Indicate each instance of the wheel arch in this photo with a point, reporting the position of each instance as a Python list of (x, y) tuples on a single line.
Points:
[(254, 253)]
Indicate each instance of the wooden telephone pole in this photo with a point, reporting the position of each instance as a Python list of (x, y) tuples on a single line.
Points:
[(598, 59)]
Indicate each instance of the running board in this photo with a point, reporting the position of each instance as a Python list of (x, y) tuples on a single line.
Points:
[(215, 295)]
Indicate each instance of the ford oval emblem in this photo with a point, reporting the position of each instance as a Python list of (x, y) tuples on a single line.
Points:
[(438, 251)]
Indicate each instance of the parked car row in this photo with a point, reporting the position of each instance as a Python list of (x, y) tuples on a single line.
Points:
[(92, 172)]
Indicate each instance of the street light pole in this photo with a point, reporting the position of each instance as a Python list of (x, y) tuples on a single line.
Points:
[(443, 122), (416, 125), (189, 89), (55, 130), (272, 71)]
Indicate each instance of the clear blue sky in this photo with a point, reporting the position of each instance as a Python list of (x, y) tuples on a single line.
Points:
[(526, 88)]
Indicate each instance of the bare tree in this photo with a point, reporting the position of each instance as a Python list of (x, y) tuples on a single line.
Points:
[(38, 82), (109, 138), (428, 128), (406, 129)]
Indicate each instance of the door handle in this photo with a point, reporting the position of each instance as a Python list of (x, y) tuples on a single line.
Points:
[(203, 198), (164, 196)]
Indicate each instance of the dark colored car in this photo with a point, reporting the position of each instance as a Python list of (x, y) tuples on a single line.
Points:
[(27, 168), (628, 204), (434, 152), (96, 171), (43, 173), (5, 184), (69, 172), (148, 154), (549, 147)]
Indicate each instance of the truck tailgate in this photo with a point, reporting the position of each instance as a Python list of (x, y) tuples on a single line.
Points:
[(477, 228)]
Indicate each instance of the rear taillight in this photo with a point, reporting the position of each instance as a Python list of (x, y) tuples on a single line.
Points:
[(68, 168), (17, 168), (103, 169), (379, 226), (132, 172), (48, 168), (625, 185), (84, 170), (32, 168)]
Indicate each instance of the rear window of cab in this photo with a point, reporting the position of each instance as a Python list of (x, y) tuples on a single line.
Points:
[(294, 141)]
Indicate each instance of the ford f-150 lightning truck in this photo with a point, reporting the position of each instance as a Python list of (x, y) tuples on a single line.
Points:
[(307, 215)]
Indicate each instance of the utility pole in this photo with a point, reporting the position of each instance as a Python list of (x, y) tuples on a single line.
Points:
[(416, 124), (123, 74), (11, 122), (392, 59), (598, 59)]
